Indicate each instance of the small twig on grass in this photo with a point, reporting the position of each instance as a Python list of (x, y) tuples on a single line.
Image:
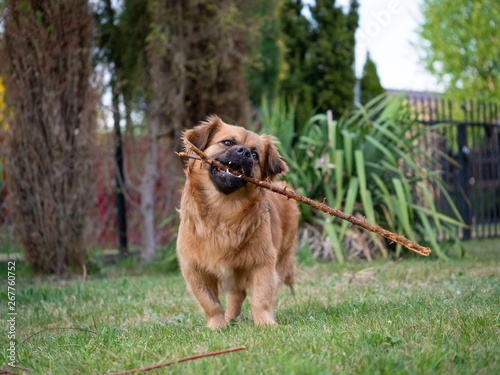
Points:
[(67, 328), (190, 358), (93, 320), (59, 328), (14, 366), (415, 247)]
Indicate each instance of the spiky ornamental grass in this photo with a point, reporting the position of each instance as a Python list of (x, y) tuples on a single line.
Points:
[(376, 162)]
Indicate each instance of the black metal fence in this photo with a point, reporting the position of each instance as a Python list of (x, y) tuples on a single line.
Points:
[(468, 151)]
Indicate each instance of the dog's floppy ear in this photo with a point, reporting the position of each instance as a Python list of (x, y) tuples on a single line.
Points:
[(201, 135), (272, 164)]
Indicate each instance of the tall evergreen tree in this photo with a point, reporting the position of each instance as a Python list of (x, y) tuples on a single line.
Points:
[(332, 55), (295, 41), (264, 61), (370, 82), (318, 57), (216, 53)]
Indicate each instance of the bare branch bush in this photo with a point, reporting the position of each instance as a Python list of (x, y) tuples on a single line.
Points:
[(46, 63)]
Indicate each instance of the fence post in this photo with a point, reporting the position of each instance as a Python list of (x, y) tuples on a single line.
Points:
[(463, 155)]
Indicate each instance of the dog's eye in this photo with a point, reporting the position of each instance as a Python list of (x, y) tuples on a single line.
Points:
[(255, 155), (228, 143)]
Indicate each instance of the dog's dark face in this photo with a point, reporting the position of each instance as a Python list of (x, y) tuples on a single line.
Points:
[(238, 158), (241, 150)]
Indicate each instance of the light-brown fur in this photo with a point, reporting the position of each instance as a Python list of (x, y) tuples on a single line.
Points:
[(232, 242)]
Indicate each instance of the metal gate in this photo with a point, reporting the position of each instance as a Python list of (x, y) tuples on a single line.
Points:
[(468, 152)]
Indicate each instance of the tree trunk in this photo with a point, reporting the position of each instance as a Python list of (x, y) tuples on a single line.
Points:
[(148, 192)]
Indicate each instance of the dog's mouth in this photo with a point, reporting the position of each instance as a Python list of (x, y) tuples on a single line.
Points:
[(231, 165), (227, 182)]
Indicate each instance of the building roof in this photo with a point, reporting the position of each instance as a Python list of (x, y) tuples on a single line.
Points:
[(413, 94)]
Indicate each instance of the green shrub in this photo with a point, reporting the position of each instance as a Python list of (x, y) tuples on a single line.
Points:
[(369, 163)]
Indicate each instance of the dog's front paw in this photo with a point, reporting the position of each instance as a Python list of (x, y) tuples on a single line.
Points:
[(217, 322)]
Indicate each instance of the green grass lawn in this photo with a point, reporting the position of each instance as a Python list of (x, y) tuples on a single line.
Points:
[(414, 316)]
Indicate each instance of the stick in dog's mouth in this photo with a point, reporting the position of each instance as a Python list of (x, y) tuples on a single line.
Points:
[(413, 246)]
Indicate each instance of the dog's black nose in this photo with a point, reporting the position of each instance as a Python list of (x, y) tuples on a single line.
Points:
[(243, 152)]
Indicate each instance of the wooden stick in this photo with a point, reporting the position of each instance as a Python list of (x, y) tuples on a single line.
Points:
[(60, 329), (67, 328), (8, 372), (190, 358), (415, 247)]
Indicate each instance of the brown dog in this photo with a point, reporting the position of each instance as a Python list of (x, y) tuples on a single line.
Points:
[(234, 235)]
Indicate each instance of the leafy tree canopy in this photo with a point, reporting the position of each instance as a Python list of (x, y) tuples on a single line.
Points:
[(462, 46)]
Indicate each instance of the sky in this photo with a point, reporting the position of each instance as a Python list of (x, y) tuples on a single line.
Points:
[(388, 31)]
